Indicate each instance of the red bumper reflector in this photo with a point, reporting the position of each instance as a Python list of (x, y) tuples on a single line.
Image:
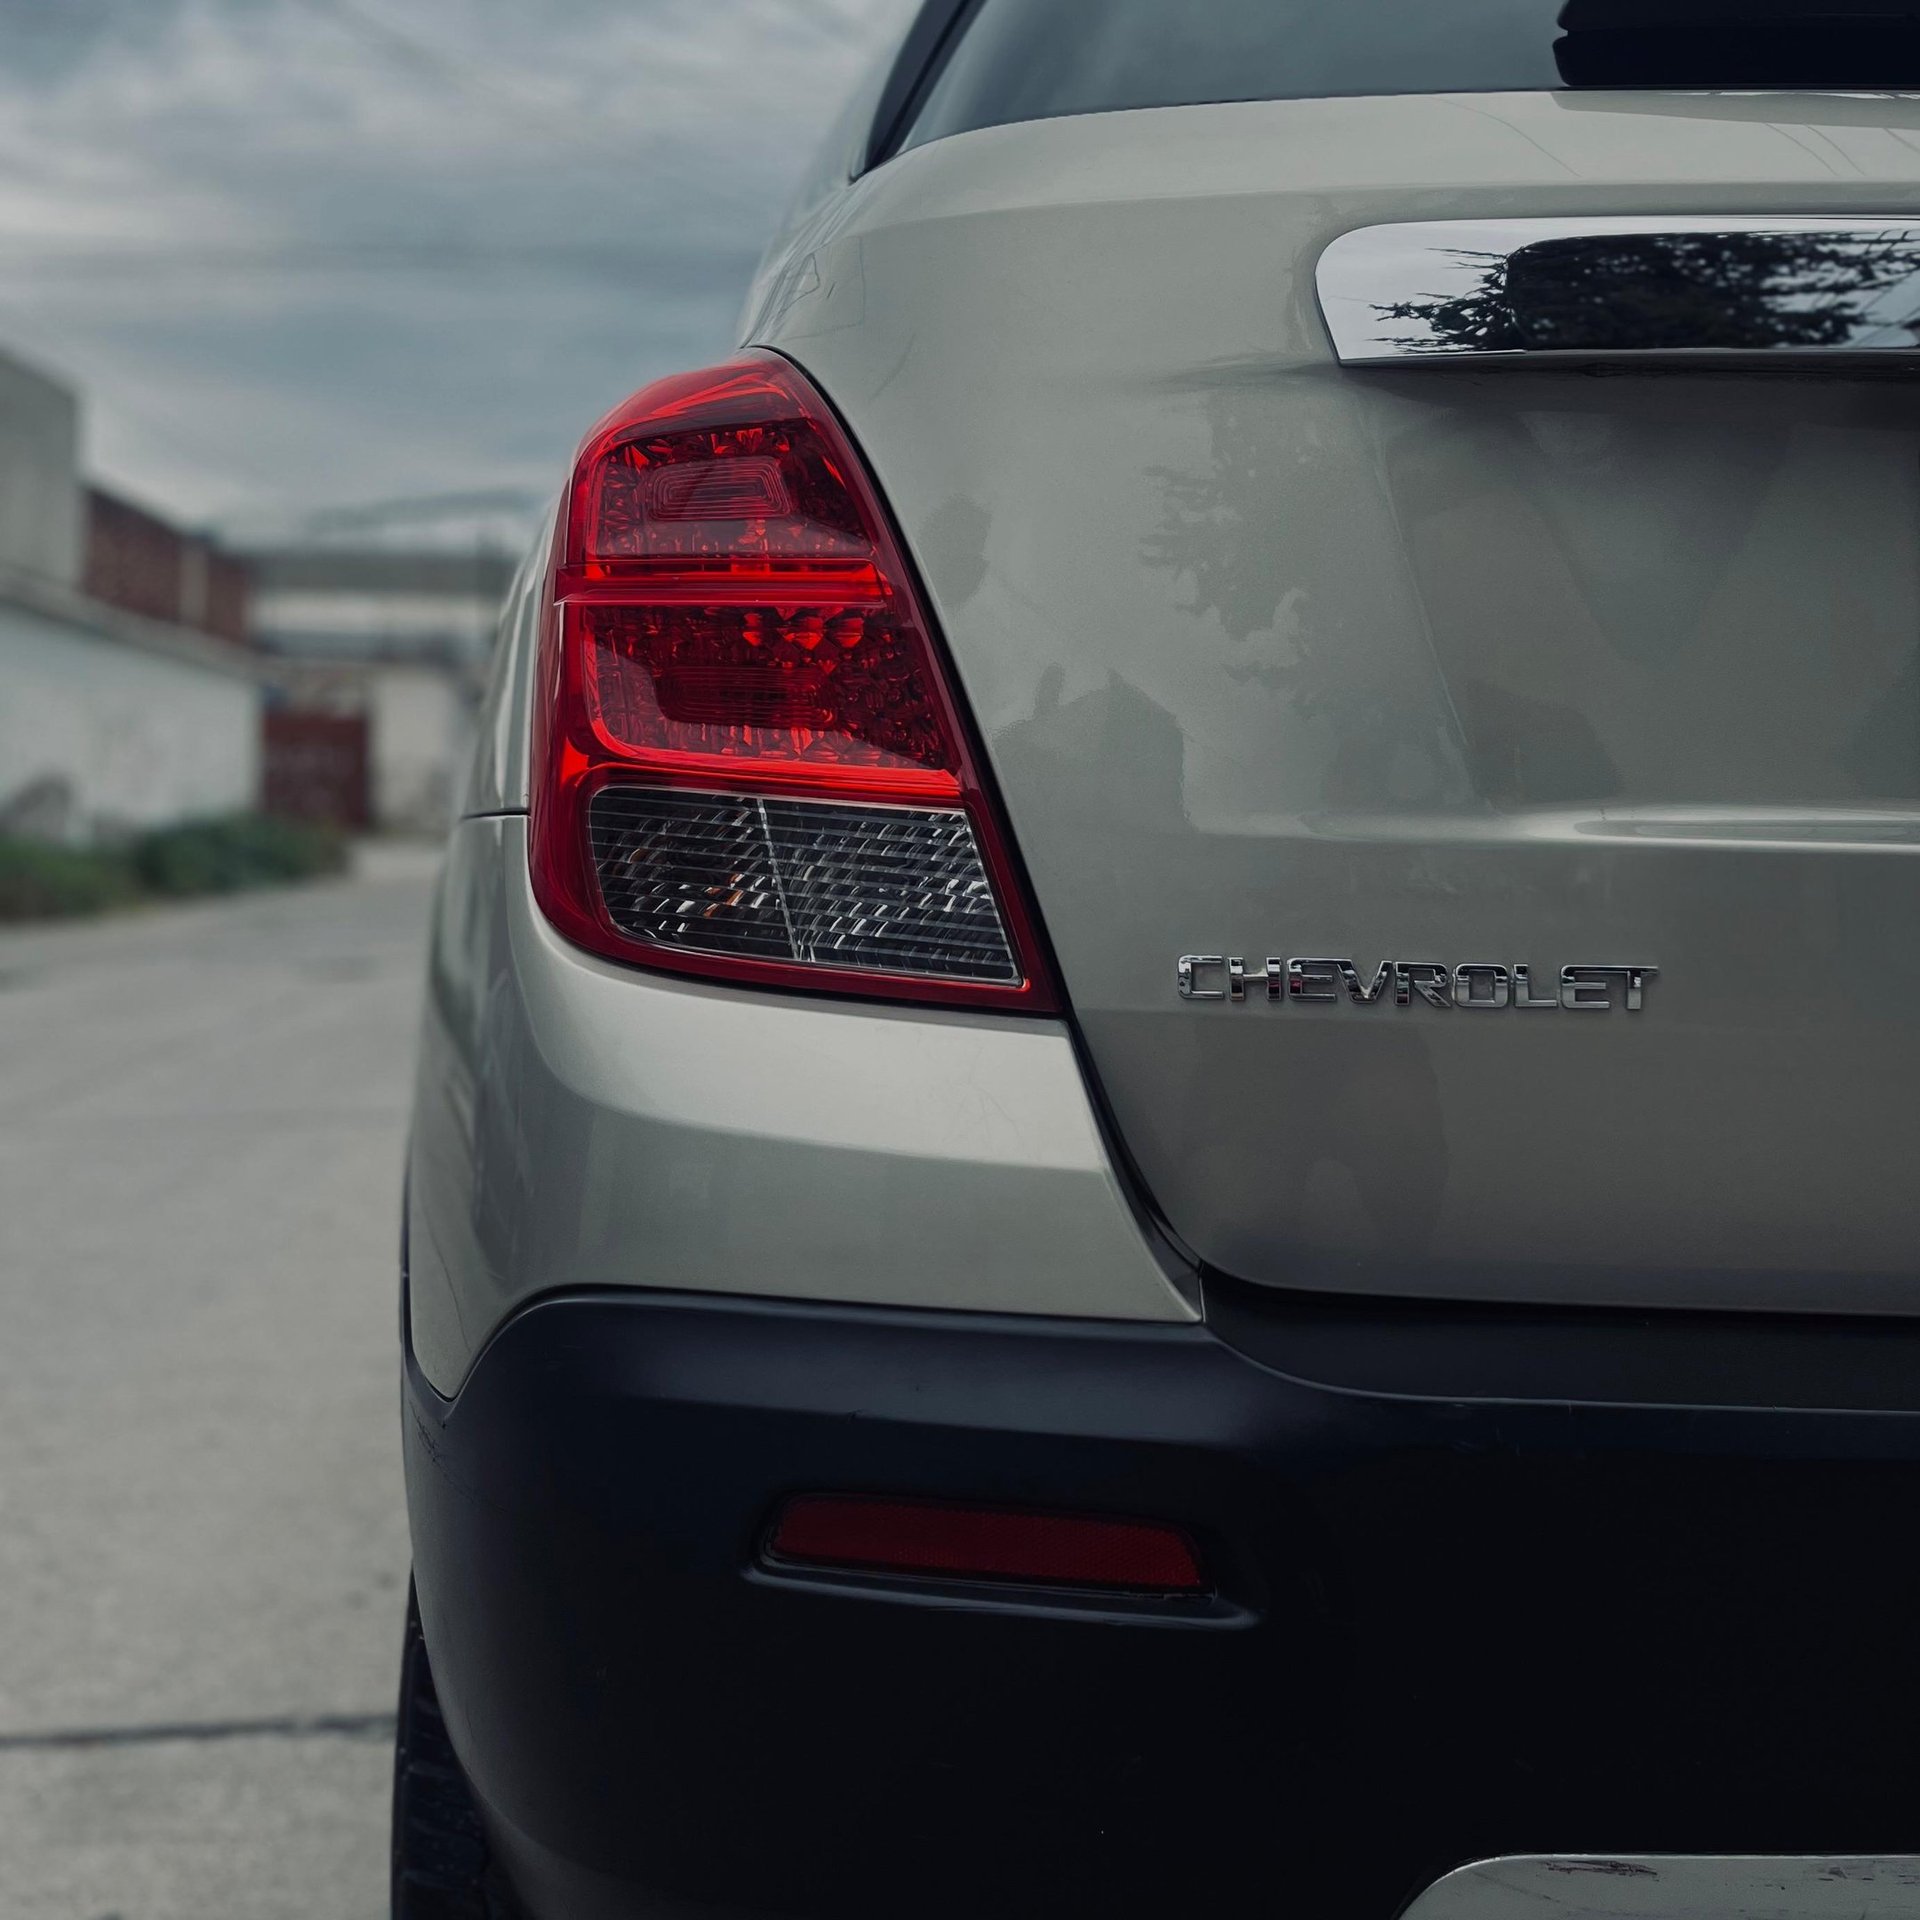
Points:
[(986, 1543)]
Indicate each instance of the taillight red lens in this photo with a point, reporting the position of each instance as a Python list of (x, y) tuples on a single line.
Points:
[(930, 1537), (748, 761)]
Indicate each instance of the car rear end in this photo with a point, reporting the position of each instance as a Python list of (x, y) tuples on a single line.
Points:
[(1165, 1141)]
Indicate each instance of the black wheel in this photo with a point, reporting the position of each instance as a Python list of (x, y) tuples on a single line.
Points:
[(442, 1867)]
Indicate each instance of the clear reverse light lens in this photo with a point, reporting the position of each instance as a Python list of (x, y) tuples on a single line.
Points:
[(875, 889)]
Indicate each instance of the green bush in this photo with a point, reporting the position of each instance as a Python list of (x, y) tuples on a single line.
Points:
[(42, 882), (225, 855)]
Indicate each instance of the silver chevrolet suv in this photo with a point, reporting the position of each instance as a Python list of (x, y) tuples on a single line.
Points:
[(1167, 1157)]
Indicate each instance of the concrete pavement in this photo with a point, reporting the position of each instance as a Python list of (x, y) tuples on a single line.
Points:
[(202, 1546)]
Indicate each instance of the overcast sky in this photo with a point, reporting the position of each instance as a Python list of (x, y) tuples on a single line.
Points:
[(300, 254)]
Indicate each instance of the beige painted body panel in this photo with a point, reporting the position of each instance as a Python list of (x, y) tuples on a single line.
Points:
[(1276, 658), (498, 778), (584, 1125)]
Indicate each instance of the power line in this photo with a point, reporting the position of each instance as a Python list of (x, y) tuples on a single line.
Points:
[(421, 55), (425, 506), (466, 75), (164, 421), (637, 254)]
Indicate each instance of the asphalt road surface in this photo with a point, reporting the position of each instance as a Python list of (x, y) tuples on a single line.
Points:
[(202, 1546)]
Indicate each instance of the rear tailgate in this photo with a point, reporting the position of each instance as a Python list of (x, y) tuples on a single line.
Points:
[(1279, 658)]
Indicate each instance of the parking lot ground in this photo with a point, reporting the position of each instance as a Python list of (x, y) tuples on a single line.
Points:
[(202, 1543)]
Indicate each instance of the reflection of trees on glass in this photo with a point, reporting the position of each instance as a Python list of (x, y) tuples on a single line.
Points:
[(1745, 292)]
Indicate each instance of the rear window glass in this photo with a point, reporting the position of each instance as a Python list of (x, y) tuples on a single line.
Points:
[(1036, 59)]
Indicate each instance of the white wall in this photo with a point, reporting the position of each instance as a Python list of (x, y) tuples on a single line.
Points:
[(40, 510), (287, 615), (140, 738), (421, 732)]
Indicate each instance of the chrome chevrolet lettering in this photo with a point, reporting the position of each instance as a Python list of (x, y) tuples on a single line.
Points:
[(1472, 986), (1365, 996)]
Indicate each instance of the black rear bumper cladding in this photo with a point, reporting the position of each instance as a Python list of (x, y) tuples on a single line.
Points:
[(1446, 1627)]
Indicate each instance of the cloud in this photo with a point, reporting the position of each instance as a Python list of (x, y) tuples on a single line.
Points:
[(301, 252)]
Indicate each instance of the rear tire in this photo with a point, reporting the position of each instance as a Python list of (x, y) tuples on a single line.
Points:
[(443, 1868)]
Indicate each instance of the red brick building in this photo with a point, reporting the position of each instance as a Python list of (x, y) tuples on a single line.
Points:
[(135, 561)]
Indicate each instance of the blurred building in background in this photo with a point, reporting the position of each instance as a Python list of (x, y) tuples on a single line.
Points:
[(148, 675), (129, 695), (391, 638)]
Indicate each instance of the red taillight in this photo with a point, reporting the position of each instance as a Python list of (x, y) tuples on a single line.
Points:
[(748, 762), (929, 1537)]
